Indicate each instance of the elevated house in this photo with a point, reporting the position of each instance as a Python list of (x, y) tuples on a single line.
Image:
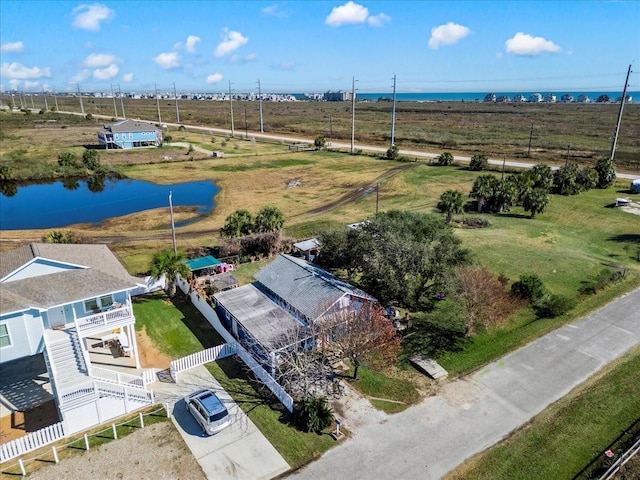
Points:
[(129, 134), (71, 304), (289, 294)]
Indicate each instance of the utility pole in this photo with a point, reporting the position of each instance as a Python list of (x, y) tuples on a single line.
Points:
[(46, 104), (330, 130), (173, 227), (393, 114), (567, 160), (246, 127), (353, 113), (31, 95), (377, 196), (81, 104), (530, 137), (55, 98), (615, 134), (260, 103), (504, 162), (158, 102), (115, 108), (175, 95), (121, 101), (231, 108)]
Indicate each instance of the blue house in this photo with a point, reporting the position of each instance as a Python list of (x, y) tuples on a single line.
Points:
[(130, 134), (289, 294), (70, 305)]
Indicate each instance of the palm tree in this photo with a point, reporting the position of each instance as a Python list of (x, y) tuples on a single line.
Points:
[(483, 189), (451, 202), (268, 219), (535, 201), (444, 159), (170, 265), (238, 224)]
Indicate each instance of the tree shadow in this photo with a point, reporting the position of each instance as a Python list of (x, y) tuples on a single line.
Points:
[(626, 238), (515, 215), (196, 322)]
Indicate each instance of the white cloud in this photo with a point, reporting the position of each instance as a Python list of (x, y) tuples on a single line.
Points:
[(348, 13), (287, 66), (526, 45), (252, 57), (352, 13), (447, 34), (127, 77), (214, 78), (190, 46), (89, 17), (378, 20), (98, 60), (14, 47), (106, 73), (168, 60), (274, 11), (20, 72), (230, 41), (81, 76), (31, 85)]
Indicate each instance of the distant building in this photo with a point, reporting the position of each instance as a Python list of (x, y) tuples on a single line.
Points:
[(536, 97), (566, 98), (129, 134), (338, 96), (489, 97), (584, 99), (550, 98), (519, 98)]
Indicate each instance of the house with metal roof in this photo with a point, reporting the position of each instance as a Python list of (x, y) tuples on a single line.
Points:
[(71, 305), (130, 134), (288, 295)]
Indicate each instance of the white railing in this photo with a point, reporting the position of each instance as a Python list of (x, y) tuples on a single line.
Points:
[(119, 378), (270, 382), (128, 393), (624, 458), (149, 376), (103, 321), (72, 393), (31, 441), (200, 358)]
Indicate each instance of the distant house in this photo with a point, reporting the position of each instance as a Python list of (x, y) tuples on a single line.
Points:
[(566, 98), (129, 134), (288, 294), (61, 302), (536, 97), (584, 99), (550, 98)]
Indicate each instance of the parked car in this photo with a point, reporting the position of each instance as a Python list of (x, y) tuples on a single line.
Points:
[(208, 410)]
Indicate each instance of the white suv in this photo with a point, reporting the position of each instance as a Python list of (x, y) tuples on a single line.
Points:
[(208, 410)]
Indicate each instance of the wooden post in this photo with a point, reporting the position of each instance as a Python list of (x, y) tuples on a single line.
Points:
[(115, 432), (24, 472), (141, 420), (55, 454), (86, 441), (166, 407)]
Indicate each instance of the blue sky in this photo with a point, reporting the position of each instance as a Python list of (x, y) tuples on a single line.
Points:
[(314, 46)]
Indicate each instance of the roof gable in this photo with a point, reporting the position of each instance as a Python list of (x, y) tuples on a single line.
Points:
[(38, 267), (307, 288)]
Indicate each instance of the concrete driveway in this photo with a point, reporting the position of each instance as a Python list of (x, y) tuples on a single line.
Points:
[(471, 414), (239, 452)]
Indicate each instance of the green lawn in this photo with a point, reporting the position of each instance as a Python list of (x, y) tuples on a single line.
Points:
[(391, 395), (567, 436)]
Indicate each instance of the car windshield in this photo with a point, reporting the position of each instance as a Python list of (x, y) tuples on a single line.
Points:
[(217, 416)]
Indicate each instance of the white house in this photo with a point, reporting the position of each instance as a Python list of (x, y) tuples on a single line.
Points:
[(60, 301)]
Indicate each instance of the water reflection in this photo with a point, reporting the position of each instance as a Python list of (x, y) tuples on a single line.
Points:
[(93, 200)]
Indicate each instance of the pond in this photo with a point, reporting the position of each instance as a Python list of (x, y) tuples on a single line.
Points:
[(93, 200)]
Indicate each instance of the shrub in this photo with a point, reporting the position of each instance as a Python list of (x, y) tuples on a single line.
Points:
[(61, 236), (478, 162), (551, 306), (313, 414), (444, 159), (6, 172), (603, 279), (529, 287), (91, 159), (67, 159), (392, 153)]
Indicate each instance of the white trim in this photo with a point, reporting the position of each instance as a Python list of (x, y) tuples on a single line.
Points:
[(8, 335)]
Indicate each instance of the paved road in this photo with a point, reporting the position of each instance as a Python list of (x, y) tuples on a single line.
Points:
[(239, 452), (347, 146), (471, 414)]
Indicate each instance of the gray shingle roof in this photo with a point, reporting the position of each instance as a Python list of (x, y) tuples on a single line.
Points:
[(128, 126), (103, 274), (307, 288)]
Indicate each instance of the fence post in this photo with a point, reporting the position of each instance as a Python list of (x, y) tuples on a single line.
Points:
[(21, 463), (115, 433), (141, 420), (86, 441), (166, 407), (55, 454)]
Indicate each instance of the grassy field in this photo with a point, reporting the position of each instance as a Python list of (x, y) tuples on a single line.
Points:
[(567, 436), (494, 128)]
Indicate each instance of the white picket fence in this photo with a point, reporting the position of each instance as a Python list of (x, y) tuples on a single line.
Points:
[(210, 314), (31, 441), (200, 358), (146, 377)]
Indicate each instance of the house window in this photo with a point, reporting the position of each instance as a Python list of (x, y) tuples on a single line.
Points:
[(130, 135), (106, 301), (5, 339), (97, 304), (91, 305)]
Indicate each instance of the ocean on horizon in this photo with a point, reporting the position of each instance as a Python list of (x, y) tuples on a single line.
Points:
[(479, 96)]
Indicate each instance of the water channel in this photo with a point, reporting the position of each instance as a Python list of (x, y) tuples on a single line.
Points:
[(62, 203)]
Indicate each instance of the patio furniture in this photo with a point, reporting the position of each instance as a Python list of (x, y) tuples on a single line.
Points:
[(125, 348), (108, 339)]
